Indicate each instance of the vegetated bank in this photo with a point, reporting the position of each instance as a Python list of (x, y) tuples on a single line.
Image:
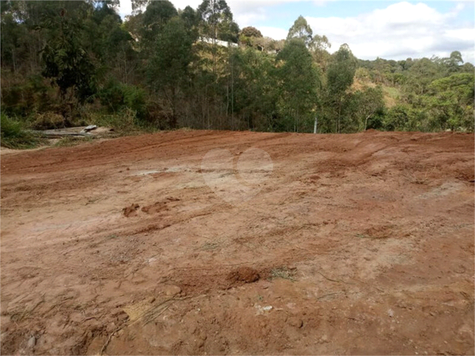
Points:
[(68, 63)]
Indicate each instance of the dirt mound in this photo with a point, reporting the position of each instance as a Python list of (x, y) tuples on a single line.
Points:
[(243, 275), (131, 210)]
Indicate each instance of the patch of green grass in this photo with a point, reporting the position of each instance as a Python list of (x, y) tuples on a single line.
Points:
[(13, 135), (283, 272)]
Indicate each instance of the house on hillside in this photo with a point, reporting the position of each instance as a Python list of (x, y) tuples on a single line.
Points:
[(218, 42)]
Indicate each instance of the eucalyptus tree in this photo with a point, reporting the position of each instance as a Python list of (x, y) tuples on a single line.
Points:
[(168, 68), (366, 104), (301, 30), (67, 58), (155, 17), (340, 75), (217, 20), (299, 81)]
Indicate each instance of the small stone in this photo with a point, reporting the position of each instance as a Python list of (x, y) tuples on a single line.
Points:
[(31, 342), (262, 310), (172, 290), (296, 322), (390, 313)]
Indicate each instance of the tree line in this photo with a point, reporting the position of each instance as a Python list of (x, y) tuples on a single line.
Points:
[(77, 62)]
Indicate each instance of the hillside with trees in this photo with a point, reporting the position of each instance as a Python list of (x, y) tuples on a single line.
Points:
[(67, 63)]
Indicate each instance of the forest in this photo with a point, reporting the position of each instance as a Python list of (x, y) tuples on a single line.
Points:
[(66, 63)]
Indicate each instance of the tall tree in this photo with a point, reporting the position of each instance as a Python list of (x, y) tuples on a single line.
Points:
[(319, 48), (301, 30), (254, 89), (66, 59), (340, 77), (167, 72), (299, 83), (366, 104), (155, 17), (215, 15), (454, 62)]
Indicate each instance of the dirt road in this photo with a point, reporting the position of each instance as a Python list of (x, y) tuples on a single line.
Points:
[(312, 244)]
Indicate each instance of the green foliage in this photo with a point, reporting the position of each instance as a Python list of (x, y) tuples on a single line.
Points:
[(301, 30), (69, 62), (341, 71), (66, 61), (47, 121), (421, 74), (191, 21), (365, 105), (123, 122), (217, 20), (155, 18), (299, 82), (116, 96), (23, 97), (340, 76), (168, 68), (450, 101), (13, 134), (254, 77), (251, 32)]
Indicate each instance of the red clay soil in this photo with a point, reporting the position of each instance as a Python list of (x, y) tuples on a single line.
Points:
[(352, 244)]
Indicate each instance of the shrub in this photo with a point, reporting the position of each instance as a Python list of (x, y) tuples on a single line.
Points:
[(13, 134), (118, 96), (48, 120)]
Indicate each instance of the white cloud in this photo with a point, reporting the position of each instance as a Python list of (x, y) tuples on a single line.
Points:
[(395, 31), (125, 7), (399, 31), (273, 32)]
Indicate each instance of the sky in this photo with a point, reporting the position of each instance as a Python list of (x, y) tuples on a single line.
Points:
[(384, 28)]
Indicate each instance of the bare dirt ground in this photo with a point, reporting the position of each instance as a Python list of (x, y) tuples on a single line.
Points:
[(355, 244)]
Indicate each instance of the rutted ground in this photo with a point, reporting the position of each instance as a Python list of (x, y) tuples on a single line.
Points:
[(354, 244)]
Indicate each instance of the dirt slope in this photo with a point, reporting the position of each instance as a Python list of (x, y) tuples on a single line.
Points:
[(349, 244)]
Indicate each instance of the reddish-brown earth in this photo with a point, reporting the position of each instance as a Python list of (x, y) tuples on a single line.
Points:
[(353, 244)]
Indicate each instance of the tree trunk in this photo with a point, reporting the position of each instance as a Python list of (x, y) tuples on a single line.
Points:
[(339, 114), (366, 122)]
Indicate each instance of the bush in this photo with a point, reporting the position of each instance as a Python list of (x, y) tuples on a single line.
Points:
[(48, 120), (22, 97), (13, 134), (117, 96), (123, 121)]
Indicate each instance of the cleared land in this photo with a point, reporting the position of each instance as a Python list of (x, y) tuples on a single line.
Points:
[(355, 244)]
